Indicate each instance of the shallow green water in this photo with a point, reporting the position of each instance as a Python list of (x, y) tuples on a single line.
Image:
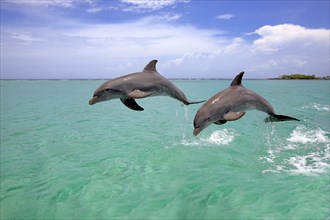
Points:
[(64, 159)]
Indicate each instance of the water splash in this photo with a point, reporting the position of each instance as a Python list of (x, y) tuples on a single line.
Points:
[(306, 151), (317, 106), (311, 164), (186, 112), (303, 135), (216, 138)]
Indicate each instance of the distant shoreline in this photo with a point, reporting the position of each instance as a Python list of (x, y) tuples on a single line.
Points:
[(299, 76), (299, 79)]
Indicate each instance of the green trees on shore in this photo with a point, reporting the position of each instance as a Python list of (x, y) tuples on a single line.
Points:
[(302, 76)]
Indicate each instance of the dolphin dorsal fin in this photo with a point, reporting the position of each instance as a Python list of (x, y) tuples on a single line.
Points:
[(237, 81), (151, 66)]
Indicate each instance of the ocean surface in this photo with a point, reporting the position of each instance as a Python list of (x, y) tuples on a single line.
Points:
[(64, 159)]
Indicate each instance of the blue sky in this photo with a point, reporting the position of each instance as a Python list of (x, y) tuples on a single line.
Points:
[(90, 39)]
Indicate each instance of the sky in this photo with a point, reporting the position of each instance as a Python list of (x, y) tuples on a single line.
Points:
[(99, 39)]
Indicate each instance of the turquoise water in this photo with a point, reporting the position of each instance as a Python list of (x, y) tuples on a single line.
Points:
[(64, 159)]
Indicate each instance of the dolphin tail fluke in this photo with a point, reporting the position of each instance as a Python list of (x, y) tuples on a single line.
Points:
[(276, 118)]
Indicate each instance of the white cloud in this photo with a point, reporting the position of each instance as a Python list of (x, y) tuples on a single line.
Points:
[(280, 49), (225, 16), (95, 6), (149, 5), (274, 65), (172, 17), (278, 37), (103, 47), (136, 6), (143, 38), (45, 3), (95, 9), (109, 50), (26, 37)]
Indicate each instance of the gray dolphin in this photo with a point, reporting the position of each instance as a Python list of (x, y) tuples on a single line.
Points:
[(138, 85), (231, 104)]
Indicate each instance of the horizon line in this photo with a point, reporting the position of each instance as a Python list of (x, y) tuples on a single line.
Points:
[(114, 78)]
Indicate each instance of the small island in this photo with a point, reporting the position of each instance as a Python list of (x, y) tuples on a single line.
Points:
[(301, 76)]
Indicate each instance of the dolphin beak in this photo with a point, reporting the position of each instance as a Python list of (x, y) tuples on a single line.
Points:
[(196, 131), (92, 101)]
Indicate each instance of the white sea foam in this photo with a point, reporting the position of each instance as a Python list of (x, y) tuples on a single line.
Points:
[(306, 151), (313, 163), (216, 138), (318, 107), (303, 135)]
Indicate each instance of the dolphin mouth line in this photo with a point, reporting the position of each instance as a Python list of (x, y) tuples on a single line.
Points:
[(92, 100)]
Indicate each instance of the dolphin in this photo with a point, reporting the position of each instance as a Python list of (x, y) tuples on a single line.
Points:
[(136, 86), (231, 104)]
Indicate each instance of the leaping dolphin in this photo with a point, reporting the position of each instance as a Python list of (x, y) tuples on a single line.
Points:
[(231, 104), (138, 85)]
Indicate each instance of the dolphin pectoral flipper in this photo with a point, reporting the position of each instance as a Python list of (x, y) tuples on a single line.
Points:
[(220, 122), (138, 94), (130, 103), (232, 116), (192, 103), (276, 118)]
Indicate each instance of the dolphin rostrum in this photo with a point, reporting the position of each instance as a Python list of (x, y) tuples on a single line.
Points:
[(231, 104), (136, 86)]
